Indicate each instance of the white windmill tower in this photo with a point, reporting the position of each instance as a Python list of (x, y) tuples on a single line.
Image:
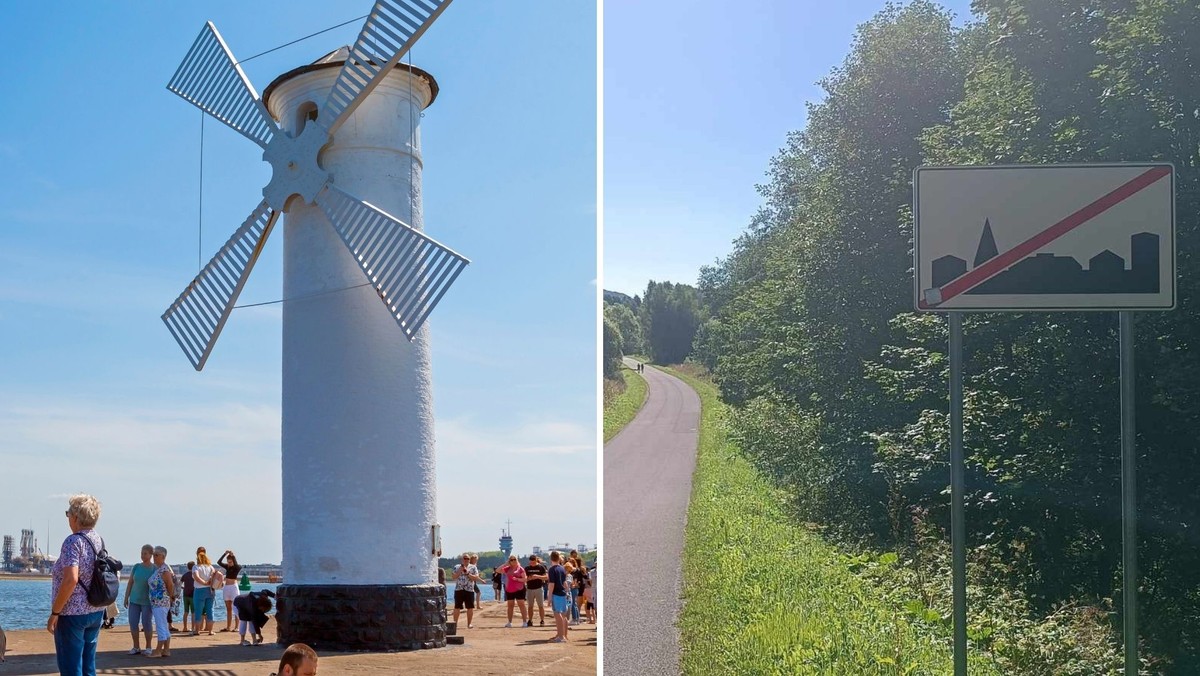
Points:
[(359, 525)]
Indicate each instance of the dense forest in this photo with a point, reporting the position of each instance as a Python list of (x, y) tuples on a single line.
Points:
[(839, 390), (660, 325)]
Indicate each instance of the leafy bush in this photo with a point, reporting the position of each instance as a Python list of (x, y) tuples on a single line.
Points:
[(840, 390), (766, 594)]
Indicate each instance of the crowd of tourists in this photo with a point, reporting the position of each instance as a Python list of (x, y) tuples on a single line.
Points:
[(567, 586), (152, 595)]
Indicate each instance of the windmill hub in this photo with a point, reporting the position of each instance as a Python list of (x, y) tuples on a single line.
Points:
[(295, 169)]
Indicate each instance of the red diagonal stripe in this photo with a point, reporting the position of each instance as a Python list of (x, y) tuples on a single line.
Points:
[(1001, 262)]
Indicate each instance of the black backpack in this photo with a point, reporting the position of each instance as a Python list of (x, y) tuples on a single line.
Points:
[(102, 590)]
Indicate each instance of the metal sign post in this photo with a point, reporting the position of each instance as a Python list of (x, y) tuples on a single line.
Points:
[(1128, 495), (958, 528), (1044, 237)]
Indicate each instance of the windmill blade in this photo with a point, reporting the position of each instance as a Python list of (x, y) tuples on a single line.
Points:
[(391, 29), (198, 315), (210, 79), (410, 271)]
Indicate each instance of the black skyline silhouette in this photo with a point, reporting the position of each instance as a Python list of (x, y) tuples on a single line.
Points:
[(1046, 273)]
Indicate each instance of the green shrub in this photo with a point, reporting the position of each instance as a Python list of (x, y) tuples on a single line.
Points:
[(768, 594)]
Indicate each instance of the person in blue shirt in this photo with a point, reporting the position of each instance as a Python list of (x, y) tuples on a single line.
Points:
[(137, 600), (560, 599)]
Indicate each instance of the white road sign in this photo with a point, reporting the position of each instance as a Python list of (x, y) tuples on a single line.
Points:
[(1044, 237)]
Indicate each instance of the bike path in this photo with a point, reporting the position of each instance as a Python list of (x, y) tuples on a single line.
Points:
[(647, 483)]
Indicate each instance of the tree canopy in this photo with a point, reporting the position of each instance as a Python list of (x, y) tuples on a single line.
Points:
[(841, 391)]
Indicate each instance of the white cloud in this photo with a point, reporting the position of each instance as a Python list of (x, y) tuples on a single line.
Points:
[(212, 465), (462, 437), (77, 430), (541, 474), (168, 474)]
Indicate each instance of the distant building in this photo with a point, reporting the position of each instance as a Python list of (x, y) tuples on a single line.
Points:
[(563, 547), (506, 541), (10, 551)]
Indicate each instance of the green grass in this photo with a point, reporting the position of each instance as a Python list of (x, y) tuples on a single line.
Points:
[(765, 595), (623, 406)]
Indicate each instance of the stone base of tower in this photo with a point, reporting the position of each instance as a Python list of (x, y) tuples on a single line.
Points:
[(342, 617)]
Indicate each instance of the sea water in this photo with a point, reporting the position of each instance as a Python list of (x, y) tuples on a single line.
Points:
[(25, 604)]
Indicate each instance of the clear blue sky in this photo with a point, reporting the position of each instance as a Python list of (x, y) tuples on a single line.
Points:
[(699, 95), (98, 234)]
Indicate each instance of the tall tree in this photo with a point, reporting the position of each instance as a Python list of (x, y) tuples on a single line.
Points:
[(629, 326), (840, 391), (611, 349), (805, 298), (671, 314)]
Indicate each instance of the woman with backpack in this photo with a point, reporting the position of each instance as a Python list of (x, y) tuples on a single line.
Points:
[(73, 620)]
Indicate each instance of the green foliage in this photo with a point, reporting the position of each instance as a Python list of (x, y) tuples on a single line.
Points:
[(624, 406), (670, 315), (764, 595), (495, 558), (618, 298), (840, 392), (629, 326), (861, 612), (487, 561), (612, 349)]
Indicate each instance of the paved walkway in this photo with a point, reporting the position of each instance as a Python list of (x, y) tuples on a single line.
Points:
[(490, 649), (647, 483)]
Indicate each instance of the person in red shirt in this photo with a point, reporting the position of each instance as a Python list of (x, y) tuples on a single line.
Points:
[(514, 590)]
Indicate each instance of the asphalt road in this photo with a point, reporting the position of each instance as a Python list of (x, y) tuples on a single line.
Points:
[(647, 482)]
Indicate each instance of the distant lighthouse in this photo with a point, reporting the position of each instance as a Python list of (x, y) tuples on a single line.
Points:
[(506, 539)]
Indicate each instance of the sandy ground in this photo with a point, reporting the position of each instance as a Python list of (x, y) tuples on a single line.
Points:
[(490, 649)]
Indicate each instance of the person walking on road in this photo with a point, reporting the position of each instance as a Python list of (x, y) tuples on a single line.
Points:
[(514, 590)]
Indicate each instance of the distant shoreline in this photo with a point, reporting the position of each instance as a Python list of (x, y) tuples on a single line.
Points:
[(37, 576)]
